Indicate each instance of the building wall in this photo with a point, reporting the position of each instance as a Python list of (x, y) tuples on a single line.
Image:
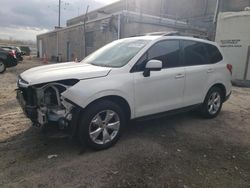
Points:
[(234, 37), (99, 13), (133, 29), (186, 8), (234, 5), (71, 43), (177, 9), (49, 45), (180, 9), (70, 40)]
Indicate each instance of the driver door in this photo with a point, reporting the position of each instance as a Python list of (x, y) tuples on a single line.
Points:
[(162, 90)]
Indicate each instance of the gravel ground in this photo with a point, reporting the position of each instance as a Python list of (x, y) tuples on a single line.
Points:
[(177, 151)]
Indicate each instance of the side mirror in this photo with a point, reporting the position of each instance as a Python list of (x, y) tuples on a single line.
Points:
[(152, 65)]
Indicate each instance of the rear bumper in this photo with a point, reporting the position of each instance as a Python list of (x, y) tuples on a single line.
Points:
[(10, 61)]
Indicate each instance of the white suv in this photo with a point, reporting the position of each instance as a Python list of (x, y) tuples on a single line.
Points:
[(127, 79)]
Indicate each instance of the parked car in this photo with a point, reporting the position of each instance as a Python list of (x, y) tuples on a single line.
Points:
[(127, 79), (7, 59), (19, 54), (25, 50), (15, 50)]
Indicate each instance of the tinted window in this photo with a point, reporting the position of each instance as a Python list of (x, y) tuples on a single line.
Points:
[(194, 53), (214, 54), (166, 51)]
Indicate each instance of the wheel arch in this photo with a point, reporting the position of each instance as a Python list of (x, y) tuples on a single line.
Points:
[(78, 110), (220, 86), (4, 66), (121, 101)]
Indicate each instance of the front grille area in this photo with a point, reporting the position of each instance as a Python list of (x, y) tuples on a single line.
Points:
[(30, 108), (29, 96)]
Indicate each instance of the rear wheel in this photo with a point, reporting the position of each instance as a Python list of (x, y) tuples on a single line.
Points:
[(2, 67), (213, 102), (101, 125)]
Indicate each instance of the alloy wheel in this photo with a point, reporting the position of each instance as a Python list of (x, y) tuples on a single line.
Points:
[(214, 103), (104, 127)]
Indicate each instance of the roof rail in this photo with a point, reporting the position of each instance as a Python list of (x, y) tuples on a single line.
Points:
[(162, 33), (168, 33), (172, 33)]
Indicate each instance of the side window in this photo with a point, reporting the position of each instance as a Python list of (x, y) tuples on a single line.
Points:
[(141, 63), (194, 53), (167, 51), (214, 54)]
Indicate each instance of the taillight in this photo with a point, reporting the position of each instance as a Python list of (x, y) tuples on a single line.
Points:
[(12, 53), (230, 68)]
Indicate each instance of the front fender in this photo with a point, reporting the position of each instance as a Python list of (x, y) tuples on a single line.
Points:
[(87, 91)]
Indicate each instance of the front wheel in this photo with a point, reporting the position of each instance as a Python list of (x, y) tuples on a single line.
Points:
[(213, 102), (2, 67), (101, 125)]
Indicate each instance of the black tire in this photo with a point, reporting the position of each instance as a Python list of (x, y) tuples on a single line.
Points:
[(2, 67), (206, 110), (85, 124)]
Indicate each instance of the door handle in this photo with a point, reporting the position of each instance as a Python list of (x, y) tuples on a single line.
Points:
[(210, 70), (179, 76)]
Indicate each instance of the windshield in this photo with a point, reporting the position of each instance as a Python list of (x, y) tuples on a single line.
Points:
[(117, 53)]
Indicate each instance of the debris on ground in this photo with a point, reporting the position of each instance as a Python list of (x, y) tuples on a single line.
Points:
[(52, 156)]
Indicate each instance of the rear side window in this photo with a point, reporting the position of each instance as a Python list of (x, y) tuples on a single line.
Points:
[(214, 54), (194, 53)]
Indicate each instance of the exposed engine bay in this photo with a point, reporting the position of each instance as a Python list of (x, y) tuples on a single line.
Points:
[(43, 103)]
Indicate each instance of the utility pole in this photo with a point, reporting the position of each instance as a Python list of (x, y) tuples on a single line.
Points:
[(217, 10), (84, 32), (216, 13), (59, 14)]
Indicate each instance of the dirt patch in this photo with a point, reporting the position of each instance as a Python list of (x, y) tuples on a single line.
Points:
[(177, 151)]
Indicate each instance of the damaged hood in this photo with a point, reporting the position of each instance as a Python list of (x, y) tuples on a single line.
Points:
[(63, 71)]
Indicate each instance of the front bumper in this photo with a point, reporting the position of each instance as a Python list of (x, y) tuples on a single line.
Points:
[(29, 111), (42, 115)]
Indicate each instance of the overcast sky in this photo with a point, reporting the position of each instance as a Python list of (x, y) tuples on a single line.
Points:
[(23, 20)]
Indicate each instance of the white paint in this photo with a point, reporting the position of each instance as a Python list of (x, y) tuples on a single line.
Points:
[(61, 71), (233, 35), (163, 90)]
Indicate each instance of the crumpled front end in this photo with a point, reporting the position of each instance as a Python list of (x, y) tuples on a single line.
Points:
[(43, 103)]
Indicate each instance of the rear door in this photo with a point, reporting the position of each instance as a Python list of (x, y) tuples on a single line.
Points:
[(198, 71)]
